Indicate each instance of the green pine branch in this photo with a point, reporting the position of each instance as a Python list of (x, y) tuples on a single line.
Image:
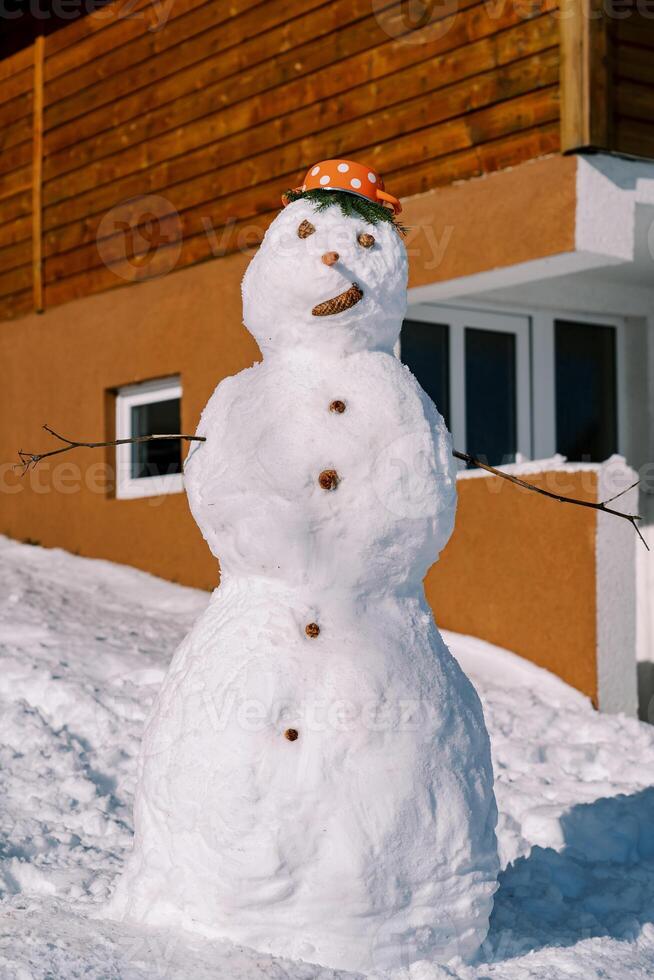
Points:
[(351, 206)]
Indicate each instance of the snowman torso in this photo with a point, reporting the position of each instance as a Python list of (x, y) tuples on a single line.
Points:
[(254, 486), (315, 777)]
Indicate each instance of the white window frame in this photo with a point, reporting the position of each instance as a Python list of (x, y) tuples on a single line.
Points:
[(127, 487), (457, 319), (541, 372)]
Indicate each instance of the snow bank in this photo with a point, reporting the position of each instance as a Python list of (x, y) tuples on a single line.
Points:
[(83, 648)]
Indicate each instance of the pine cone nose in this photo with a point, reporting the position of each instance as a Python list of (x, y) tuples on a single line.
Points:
[(330, 258)]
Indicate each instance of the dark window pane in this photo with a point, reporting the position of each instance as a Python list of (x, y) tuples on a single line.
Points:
[(156, 458), (490, 366), (425, 350), (586, 401)]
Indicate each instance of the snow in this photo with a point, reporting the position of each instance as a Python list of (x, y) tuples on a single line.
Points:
[(84, 646), (327, 797)]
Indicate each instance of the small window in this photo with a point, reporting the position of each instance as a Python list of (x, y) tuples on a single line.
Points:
[(586, 396), (149, 468), (426, 351)]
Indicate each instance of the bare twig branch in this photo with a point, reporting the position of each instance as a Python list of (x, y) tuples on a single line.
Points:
[(593, 505), (29, 460), (622, 492)]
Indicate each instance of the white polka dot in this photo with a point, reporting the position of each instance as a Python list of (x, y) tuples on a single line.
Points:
[(316, 170), (343, 168), (372, 178), (324, 179), (355, 182)]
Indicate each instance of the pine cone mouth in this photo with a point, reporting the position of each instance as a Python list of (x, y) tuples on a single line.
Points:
[(344, 301)]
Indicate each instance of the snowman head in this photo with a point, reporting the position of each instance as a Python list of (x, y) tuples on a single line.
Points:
[(326, 281)]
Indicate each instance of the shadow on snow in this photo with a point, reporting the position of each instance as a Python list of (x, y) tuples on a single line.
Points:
[(599, 883)]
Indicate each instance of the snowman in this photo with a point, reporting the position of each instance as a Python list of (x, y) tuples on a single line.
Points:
[(315, 779)]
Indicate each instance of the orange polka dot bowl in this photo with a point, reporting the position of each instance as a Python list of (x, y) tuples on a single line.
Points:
[(346, 175)]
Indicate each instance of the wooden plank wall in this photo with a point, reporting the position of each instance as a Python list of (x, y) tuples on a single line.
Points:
[(225, 105), (607, 76), (584, 44), (16, 183), (632, 89)]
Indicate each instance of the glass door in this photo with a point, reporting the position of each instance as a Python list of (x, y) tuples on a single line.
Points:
[(476, 367)]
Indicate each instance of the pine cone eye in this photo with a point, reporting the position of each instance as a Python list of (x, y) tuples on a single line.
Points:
[(366, 240), (305, 229)]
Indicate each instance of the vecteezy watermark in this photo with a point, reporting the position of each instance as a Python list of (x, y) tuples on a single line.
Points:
[(410, 480), (609, 9), (403, 467), (157, 950), (415, 21), (70, 478), (232, 236), (154, 12), (425, 21), (317, 715), (407, 951), (426, 243), (140, 238)]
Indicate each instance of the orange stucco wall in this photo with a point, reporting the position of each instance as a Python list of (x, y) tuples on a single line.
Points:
[(516, 567), (502, 219), (520, 570), (62, 365)]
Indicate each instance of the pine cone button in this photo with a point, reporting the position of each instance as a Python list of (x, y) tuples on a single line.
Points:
[(337, 406), (328, 479), (312, 630), (291, 734)]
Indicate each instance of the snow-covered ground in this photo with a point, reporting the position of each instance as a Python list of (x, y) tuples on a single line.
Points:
[(83, 647)]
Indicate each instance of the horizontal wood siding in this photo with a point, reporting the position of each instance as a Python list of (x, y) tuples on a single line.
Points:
[(607, 77), (221, 107), (16, 158), (632, 66)]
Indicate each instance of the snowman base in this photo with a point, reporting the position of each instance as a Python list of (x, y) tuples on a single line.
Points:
[(367, 842)]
